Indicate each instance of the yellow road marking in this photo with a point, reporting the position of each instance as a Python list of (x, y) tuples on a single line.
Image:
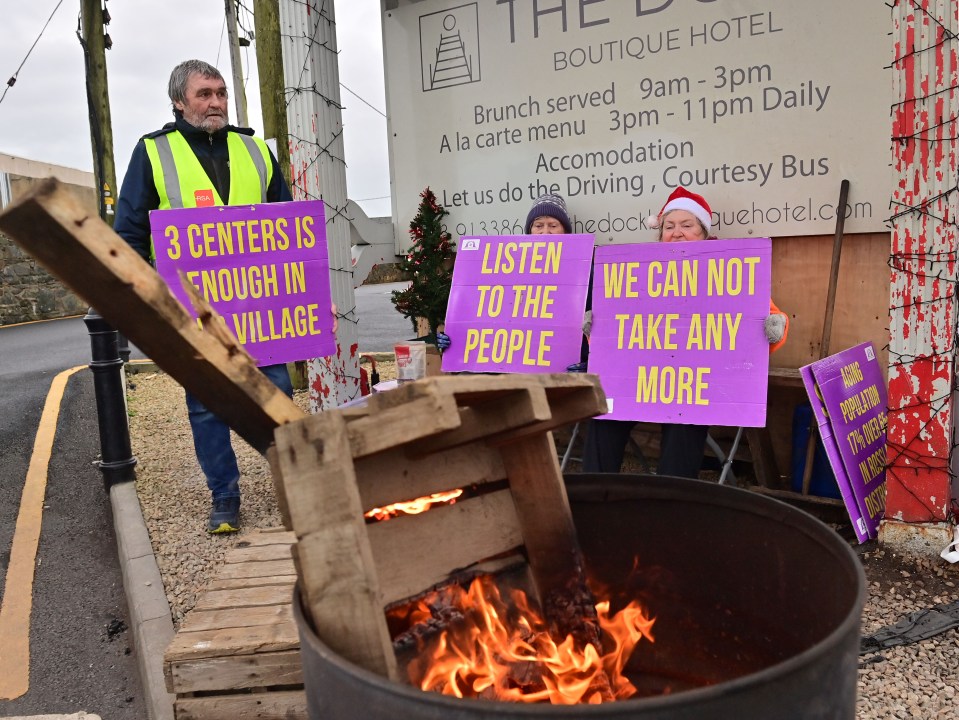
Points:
[(17, 599), (33, 322)]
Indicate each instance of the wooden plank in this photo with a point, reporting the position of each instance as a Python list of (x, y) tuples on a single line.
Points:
[(416, 552), (80, 249), (333, 555), (543, 511), (574, 396), (263, 568), (418, 419), (207, 620), (243, 597), (233, 641), (273, 460), (480, 388), (274, 529), (556, 400), (765, 467), (344, 600), (392, 476), (785, 377), (236, 672), (523, 408), (797, 497), (316, 467), (277, 705), (263, 553), (287, 579), (264, 539)]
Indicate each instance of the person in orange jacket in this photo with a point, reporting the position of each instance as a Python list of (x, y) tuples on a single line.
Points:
[(686, 216)]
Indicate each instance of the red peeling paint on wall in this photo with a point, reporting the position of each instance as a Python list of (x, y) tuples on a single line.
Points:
[(923, 267)]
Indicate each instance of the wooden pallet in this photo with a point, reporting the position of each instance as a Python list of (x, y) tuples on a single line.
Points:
[(430, 436), (237, 654)]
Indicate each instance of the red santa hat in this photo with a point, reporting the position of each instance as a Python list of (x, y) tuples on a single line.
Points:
[(682, 199)]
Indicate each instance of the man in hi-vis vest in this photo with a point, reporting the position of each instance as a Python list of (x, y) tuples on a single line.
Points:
[(200, 160)]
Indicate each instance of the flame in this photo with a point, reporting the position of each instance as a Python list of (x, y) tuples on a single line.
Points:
[(413, 507), (505, 653)]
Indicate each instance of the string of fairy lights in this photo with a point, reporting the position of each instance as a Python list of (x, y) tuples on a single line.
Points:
[(929, 268)]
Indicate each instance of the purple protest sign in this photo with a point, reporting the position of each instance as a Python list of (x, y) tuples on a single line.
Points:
[(848, 396), (263, 268), (678, 331), (517, 303)]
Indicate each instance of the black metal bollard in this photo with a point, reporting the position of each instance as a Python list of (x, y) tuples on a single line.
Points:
[(116, 456), (123, 345)]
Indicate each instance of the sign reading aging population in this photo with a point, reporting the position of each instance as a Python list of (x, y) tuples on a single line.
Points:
[(264, 269), (677, 331), (517, 303), (848, 396)]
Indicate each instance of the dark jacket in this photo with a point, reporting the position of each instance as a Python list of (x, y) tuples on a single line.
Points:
[(138, 195)]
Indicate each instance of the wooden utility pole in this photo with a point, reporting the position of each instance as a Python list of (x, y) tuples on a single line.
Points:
[(98, 103), (239, 94), (269, 62)]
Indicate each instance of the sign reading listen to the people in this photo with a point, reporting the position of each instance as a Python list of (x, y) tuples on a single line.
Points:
[(517, 303), (677, 331), (848, 396), (264, 269)]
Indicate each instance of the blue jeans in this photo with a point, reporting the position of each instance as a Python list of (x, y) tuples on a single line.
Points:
[(211, 439)]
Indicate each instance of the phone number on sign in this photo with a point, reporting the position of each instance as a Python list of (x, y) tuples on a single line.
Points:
[(489, 227)]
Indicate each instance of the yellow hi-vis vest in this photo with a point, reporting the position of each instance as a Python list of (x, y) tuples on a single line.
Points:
[(181, 181)]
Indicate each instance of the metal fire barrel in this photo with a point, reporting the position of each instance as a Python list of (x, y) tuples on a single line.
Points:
[(757, 607)]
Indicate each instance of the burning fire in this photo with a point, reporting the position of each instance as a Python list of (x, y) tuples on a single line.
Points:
[(504, 651), (413, 507)]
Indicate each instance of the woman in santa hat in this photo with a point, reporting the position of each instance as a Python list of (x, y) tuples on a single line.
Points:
[(686, 216)]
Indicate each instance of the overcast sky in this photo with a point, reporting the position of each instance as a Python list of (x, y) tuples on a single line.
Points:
[(44, 116)]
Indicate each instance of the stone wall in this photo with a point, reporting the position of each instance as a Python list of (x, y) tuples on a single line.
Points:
[(27, 291)]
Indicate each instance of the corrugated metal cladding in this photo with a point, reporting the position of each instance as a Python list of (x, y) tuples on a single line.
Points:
[(311, 73), (922, 388)]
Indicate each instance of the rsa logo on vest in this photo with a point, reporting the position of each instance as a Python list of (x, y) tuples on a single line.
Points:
[(204, 198)]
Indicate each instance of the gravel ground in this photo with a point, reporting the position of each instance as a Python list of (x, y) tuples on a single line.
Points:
[(920, 680)]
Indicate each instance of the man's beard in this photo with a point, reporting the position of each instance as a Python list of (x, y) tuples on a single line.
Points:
[(207, 123)]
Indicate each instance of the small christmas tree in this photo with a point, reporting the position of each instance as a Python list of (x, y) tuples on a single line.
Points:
[(429, 262)]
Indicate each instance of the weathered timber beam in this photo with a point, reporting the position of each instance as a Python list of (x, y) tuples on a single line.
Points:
[(73, 244)]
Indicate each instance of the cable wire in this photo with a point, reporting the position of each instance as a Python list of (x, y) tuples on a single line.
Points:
[(13, 78)]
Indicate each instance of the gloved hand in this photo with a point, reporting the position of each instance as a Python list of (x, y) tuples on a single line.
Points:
[(442, 341), (576, 367), (774, 326)]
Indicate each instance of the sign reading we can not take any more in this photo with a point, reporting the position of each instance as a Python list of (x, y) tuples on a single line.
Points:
[(677, 331), (264, 269)]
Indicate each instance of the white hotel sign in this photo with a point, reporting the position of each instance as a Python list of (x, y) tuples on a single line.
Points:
[(763, 107)]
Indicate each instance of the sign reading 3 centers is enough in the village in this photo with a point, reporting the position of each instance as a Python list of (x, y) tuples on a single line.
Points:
[(263, 268), (848, 397), (517, 303), (678, 331)]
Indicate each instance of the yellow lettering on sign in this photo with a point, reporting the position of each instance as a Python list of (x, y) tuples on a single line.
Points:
[(731, 276), (615, 275), (537, 257), (678, 278), (672, 386), (502, 345)]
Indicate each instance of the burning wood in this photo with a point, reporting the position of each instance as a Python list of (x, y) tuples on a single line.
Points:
[(413, 507), (476, 644)]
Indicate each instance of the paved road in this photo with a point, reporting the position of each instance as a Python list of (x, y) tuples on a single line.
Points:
[(380, 325), (77, 646), (80, 655)]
